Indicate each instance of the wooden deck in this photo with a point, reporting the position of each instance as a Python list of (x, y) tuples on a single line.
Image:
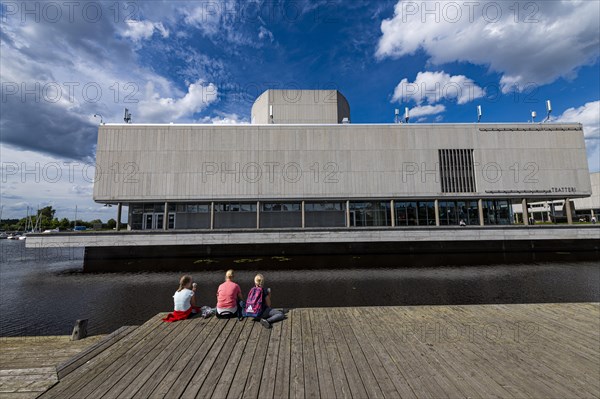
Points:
[(478, 351), (28, 365)]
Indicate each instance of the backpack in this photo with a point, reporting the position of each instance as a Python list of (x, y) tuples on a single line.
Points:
[(254, 305)]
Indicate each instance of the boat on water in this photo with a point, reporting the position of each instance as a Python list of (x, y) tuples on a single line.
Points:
[(13, 236)]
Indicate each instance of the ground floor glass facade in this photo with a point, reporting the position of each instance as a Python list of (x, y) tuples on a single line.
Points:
[(320, 214)]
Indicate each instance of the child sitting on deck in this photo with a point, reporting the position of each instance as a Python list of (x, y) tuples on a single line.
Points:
[(258, 304), (184, 300)]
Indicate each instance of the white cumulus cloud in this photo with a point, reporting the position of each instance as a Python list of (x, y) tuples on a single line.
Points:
[(264, 33), (589, 116), (424, 110), (435, 86), (527, 42), (139, 30), (155, 108), (225, 119)]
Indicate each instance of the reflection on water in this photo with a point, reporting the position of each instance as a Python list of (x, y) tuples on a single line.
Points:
[(43, 293)]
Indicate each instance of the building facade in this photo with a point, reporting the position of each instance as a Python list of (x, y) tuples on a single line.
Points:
[(301, 164)]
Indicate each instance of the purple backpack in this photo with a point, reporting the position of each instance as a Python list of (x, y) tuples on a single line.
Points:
[(254, 304)]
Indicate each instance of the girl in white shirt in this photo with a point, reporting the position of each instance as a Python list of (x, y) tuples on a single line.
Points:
[(184, 300)]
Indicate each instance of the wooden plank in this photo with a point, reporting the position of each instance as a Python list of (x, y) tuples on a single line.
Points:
[(362, 329), (258, 364), (175, 382), (267, 383), (228, 373), (241, 374), (296, 367), (309, 361), (357, 388), (67, 367), (103, 381), (417, 376), (282, 379), (77, 379), (167, 367), (217, 371), (145, 364), (453, 365), (371, 383), (324, 374), (200, 372), (332, 356)]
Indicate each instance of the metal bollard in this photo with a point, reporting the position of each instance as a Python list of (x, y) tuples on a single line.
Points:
[(80, 330)]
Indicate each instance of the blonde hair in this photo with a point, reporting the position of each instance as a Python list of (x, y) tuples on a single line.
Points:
[(183, 281), (259, 280), (229, 274)]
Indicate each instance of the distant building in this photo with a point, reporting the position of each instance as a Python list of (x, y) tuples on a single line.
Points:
[(590, 207), (582, 209), (301, 164)]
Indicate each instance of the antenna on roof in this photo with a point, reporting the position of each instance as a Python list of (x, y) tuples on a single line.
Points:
[(406, 116), (101, 119), (548, 110), (396, 115), (270, 113), (533, 116), (479, 113), (127, 116)]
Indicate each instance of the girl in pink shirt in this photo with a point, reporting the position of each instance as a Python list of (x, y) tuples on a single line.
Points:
[(229, 297)]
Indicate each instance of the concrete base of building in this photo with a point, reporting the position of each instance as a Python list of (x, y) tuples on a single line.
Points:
[(336, 255), (326, 248)]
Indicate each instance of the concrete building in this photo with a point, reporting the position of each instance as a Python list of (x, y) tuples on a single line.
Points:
[(554, 211), (301, 164), (589, 207)]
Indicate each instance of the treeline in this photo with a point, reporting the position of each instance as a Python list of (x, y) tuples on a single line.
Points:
[(48, 221)]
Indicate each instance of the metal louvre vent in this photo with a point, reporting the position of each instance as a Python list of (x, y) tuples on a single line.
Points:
[(456, 170)]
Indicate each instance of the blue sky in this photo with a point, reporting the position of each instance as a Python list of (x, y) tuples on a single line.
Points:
[(206, 61)]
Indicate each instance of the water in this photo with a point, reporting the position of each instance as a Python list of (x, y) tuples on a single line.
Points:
[(43, 292)]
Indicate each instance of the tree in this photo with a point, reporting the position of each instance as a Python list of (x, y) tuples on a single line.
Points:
[(47, 212), (64, 224), (111, 224)]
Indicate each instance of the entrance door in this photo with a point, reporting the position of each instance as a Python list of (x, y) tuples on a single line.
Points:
[(153, 221)]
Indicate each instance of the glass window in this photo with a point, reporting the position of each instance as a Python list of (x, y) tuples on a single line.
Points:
[(497, 212), (136, 208), (370, 214), (426, 213)]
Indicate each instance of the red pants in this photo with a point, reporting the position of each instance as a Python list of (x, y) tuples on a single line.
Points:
[(181, 314)]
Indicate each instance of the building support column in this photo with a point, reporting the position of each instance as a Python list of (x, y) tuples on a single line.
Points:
[(302, 210), (119, 209), (393, 213), (525, 212), (436, 208), (258, 214), (347, 213), (212, 215), (480, 212), (166, 216), (567, 209)]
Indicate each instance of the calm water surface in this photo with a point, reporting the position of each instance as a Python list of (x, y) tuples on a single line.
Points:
[(42, 291)]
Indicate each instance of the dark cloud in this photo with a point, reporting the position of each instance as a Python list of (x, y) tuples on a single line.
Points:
[(47, 128)]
